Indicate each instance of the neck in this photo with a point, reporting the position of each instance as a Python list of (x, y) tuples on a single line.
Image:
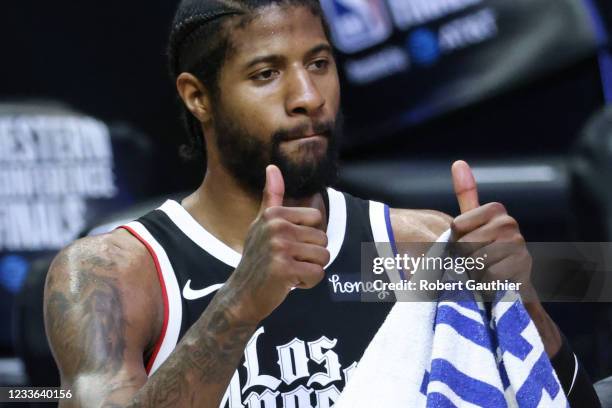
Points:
[(226, 209)]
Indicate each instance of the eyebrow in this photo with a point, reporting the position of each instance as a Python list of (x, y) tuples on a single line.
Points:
[(276, 57)]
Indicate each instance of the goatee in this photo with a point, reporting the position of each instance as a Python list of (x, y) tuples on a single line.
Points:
[(246, 156)]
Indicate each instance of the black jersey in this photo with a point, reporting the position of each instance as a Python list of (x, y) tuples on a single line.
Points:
[(304, 352)]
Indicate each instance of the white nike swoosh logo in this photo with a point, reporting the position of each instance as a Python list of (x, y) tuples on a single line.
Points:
[(191, 294)]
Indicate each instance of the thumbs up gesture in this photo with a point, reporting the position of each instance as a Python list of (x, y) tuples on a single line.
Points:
[(490, 231), (283, 250)]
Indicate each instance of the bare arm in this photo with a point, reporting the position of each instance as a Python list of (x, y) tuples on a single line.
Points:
[(101, 314), (97, 337)]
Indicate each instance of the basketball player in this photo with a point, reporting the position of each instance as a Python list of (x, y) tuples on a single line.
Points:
[(193, 304)]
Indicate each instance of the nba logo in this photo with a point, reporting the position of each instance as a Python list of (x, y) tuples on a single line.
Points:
[(357, 24)]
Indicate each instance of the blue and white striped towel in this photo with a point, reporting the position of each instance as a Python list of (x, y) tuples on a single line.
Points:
[(467, 360)]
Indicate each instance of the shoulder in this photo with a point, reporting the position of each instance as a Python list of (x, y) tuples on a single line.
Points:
[(110, 278), (418, 225), (116, 255), (412, 225)]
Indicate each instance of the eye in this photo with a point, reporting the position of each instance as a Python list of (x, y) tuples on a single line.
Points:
[(320, 64), (265, 75)]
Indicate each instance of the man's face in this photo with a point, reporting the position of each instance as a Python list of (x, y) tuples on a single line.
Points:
[(279, 102)]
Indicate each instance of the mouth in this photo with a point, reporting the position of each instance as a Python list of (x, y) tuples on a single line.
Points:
[(313, 136), (309, 140), (316, 132), (308, 137)]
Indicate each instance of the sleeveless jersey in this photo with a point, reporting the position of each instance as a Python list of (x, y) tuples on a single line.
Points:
[(304, 352)]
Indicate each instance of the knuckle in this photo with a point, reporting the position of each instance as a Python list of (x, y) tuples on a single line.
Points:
[(279, 245), (270, 213), (455, 225), (322, 237), (277, 226), (317, 217), (518, 238), (279, 259), (325, 240), (325, 256), (497, 208), (458, 226), (509, 222)]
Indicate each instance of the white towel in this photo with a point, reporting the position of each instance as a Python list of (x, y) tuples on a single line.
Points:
[(450, 354)]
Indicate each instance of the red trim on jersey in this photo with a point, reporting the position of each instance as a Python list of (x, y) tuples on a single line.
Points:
[(160, 276)]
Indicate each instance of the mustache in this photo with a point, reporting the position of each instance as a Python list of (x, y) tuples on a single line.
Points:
[(318, 128)]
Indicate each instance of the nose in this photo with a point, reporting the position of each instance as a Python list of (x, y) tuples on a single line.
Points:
[(303, 96)]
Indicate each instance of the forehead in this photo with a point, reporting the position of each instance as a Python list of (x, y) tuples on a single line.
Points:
[(277, 29)]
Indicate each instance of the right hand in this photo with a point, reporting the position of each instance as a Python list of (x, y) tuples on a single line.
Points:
[(283, 250)]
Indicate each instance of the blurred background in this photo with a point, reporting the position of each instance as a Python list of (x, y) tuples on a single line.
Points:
[(90, 130)]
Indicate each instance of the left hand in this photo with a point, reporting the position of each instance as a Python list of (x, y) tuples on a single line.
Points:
[(489, 230)]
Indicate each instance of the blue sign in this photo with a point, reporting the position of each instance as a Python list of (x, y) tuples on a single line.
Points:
[(357, 24), (423, 47), (13, 271)]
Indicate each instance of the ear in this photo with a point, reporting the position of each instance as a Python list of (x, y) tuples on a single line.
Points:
[(194, 96)]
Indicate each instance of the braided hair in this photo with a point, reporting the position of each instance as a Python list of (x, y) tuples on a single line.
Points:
[(200, 44)]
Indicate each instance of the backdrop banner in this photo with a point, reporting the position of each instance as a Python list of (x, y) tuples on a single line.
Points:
[(439, 55)]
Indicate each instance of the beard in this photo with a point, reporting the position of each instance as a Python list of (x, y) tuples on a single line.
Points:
[(246, 156)]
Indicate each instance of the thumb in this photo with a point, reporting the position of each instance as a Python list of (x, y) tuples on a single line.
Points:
[(274, 190), (465, 186)]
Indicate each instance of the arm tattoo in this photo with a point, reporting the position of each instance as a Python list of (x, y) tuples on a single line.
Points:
[(205, 359), (86, 324)]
